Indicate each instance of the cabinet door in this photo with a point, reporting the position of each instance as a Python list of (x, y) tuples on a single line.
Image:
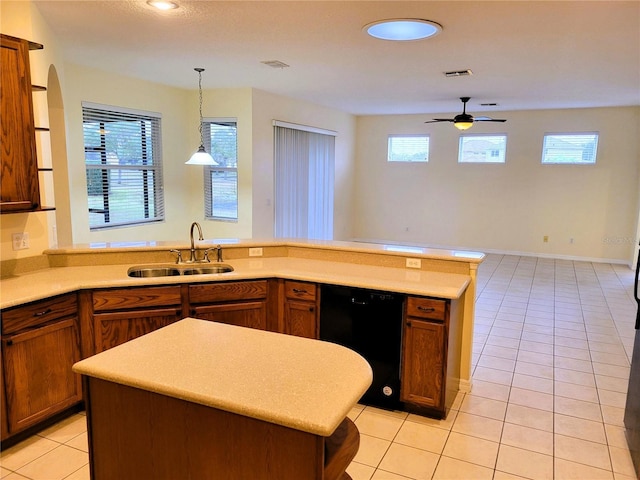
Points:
[(4, 427), (38, 377), (300, 309), (19, 187), (244, 314), (423, 363), (114, 328), (301, 319)]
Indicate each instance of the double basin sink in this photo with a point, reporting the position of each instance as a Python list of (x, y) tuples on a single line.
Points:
[(177, 269)]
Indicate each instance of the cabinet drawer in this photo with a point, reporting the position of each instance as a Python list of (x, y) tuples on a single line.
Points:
[(300, 290), (38, 313), (224, 292), (132, 298), (426, 308)]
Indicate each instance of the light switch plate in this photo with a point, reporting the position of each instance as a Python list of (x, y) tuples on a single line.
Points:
[(20, 241)]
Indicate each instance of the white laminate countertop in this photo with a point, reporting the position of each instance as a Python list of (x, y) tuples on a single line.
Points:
[(305, 384), (24, 288)]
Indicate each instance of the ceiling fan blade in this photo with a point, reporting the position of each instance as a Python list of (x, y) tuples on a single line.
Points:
[(435, 120), (487, 119)]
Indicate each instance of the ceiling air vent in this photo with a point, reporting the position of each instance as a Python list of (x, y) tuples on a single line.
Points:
[(275, 64), (489, 104), (458, 73)]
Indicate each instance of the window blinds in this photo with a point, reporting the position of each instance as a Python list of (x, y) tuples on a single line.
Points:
[(123, 162), (570, 148), (221, 181), (304, 163)]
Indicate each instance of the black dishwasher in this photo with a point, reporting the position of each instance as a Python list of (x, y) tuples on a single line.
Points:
[(370, 323)]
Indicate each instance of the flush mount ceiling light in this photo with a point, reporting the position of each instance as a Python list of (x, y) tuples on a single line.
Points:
[(201, 157), (403, 29), (162, 4)]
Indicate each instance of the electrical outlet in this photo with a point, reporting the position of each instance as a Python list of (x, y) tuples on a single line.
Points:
[(545, 239), (20, 240), (255, 252), (414, 263)]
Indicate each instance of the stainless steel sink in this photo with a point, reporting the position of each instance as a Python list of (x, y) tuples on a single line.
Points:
[(175, 270), (153, 271), (219, 268)]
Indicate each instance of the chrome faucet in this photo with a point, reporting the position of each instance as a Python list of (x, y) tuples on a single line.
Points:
[(217, 249), (192, 257)]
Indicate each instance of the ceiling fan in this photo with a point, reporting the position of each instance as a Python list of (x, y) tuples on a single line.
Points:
[(464, 121)]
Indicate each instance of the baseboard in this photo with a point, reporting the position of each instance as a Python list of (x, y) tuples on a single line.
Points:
[(465, 386)]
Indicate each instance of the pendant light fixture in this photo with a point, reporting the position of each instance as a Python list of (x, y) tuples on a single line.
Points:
[(201, 157)]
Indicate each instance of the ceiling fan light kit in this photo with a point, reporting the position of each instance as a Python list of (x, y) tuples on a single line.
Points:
[(463, 124), (464, 121)]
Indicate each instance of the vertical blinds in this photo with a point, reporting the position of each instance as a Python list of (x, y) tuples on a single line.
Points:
[(123, 160), (304, 179)]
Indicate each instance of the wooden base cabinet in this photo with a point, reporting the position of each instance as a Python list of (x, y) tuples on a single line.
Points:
[(122, 314), (424, 354), (40, 344), (244, 304), (137, 434), (301, 309)]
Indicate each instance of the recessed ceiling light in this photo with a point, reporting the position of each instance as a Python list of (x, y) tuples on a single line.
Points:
[(162, 4), (403, 29)]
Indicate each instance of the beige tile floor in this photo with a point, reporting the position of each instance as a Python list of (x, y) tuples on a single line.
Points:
[(552, 346)]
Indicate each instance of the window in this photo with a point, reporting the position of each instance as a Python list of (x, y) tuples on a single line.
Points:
[(482, 149), (304, 177), (221, 181), (570, 148), (408, 148), (123, 161)]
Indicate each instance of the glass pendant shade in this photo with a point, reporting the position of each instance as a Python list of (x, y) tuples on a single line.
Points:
[(201, 157)]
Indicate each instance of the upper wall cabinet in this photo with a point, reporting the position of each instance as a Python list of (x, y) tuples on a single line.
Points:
[(19, 184)]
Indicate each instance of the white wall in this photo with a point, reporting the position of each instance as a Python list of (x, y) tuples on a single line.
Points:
[(486, 207), (254, 111), (268, 107), (21, 19), (507, 207), (181, 185)]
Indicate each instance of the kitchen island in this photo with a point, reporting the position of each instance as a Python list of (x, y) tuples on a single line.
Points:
[(200, 399)]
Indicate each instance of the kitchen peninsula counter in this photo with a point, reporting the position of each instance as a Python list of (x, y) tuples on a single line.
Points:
[(438, 273), (148, 396), (444, 273), (48, 282)]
